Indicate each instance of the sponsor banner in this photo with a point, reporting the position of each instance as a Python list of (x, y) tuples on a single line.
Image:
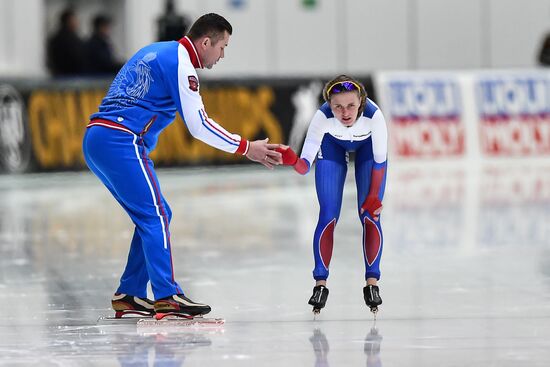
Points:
[(57, 121), (513, 112), (47, 124), (424, 113)]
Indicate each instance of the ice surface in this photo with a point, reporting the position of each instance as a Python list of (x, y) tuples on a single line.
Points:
[(465, 270)]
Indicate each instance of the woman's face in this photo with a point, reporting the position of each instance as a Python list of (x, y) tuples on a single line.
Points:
[(213, 52), (345, 107)]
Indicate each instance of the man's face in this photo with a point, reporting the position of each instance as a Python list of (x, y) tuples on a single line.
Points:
[(213, 52), (345, 107)]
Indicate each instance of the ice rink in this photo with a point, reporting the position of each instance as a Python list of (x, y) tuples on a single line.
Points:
[(465, 270)]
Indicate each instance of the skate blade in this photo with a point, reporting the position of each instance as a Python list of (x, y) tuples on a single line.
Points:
[(133, 319), (316, 313), (181, 322)]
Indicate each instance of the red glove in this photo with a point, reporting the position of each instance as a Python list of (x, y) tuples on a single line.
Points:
[(301, 166), (371, 204), (289, 157)]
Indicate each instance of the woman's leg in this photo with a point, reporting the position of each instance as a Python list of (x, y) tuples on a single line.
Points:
[(372, 241), (330, 175)]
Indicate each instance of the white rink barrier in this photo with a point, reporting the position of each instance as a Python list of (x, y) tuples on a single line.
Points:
[(456, 114)]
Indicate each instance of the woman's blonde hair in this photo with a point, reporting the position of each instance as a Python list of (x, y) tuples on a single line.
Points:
[(342, 79)]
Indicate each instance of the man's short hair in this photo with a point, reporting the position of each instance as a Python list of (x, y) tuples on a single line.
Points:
[(211, 25)]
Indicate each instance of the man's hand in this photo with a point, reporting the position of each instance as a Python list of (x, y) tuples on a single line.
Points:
[(373, 206), (262, 152)]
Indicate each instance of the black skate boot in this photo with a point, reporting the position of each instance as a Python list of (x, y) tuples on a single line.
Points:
[(372, 297), (124, 304), (319, 298), (180, 306)]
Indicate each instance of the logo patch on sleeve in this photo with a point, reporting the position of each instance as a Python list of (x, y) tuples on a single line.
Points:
[(193, 83)]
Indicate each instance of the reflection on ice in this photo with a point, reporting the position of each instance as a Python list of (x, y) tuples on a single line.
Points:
[(489, 205), (321, 348), (372, 347), (168, 349)]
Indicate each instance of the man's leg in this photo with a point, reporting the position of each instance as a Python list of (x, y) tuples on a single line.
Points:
[(122, 161), (135, 277)]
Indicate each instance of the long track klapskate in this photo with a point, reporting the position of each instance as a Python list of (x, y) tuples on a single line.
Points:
[(371, 293), (318, 298), (176, 310)]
